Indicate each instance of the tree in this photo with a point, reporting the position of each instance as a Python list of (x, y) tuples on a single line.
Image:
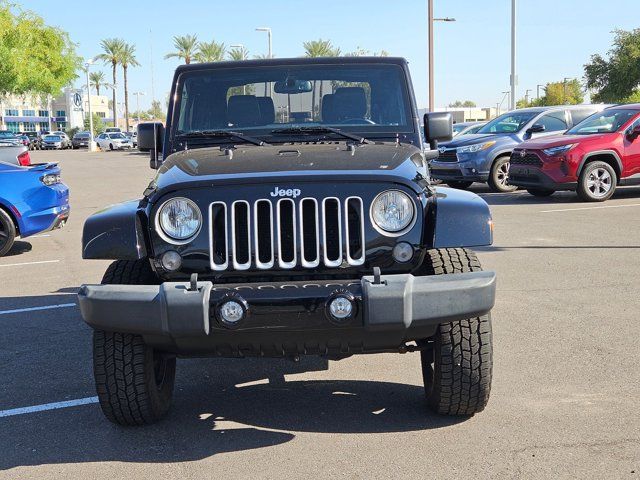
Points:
[(361, 52), (238, 53), (34, 58), (210, 52), (127, 59), (460, 104), (561, 93), (616, 79), (112, 53), (98, 124), (186, 48), (97, 81), (156, 111), (319, 48)]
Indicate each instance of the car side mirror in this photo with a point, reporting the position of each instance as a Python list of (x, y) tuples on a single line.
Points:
[(438, 127), (634, 133), (536, 128), (151, 138)]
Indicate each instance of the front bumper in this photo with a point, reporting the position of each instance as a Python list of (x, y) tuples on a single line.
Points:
[(457, 171), (533, 177), (288, 318)]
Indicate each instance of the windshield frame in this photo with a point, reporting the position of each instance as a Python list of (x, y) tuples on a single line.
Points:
[(622, 127), (408, 132)]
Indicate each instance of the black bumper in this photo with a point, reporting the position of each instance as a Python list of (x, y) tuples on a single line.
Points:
[(527, 177), (288, 318)]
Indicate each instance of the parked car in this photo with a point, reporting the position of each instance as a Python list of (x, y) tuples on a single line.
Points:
[(33, 198), (133, 136), (81, 140), (465, 128), (484, 156), (113, 141), (53, 142), (264, 237), (8, 137), (591, 158), (23, 139), (34, 140), (14, 154)]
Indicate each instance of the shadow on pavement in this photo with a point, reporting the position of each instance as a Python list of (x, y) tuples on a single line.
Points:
[(19, 247)]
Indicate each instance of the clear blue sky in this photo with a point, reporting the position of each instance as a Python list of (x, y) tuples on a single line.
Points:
[(556, 37)]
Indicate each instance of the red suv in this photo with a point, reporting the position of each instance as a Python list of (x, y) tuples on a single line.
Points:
[(592, 158)]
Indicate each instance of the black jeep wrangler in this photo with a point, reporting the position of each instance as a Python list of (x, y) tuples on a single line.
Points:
[(292, 214)]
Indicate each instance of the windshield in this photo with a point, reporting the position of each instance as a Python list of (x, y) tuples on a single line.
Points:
[(458, 127), (7, 135), (607, 121), (508, 123), (371, 99), (116, 135)]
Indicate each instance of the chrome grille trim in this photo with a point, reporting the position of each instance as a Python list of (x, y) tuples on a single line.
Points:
[(350, 259), (218, 267), (234, 249), (305, 262), (282, 263), (338, 261)]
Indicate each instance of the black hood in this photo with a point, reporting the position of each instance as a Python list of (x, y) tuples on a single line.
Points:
[(248, 163)]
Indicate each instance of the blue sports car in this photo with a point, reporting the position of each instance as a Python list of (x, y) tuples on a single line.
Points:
[(33, 199)]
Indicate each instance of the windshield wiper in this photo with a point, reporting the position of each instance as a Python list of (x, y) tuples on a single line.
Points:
[(222, 134), (312, 130)]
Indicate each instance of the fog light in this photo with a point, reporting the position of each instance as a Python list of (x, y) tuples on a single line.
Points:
[(402, 252), (341, 307), (231, 312), (171, 261)]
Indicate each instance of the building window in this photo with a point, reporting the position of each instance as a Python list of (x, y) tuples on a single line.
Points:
[(101, 114), (28, 113), (13, 127), (44, 126), (61, 113), (43, 113), (11, 112), (29, 127), (61, 126)]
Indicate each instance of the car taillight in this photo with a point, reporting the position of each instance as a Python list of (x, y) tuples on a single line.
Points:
[(24, 159)]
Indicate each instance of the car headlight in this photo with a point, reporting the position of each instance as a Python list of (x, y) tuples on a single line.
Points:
[(392, 211), (553, 151), (476, 147), (179, 218)]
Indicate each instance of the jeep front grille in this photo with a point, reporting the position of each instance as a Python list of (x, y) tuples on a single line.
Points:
[(286, 233)]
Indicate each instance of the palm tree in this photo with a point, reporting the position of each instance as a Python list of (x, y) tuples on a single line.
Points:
[(238, 53), (186, 48), (127, 59), (97, 81), (319, 48), (210, 52), (112, 49)]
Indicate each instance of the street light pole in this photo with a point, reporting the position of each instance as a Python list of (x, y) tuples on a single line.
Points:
[(431, 20), (137, 94), (538, 91), (268, 30), (514, 78), (526, 97), (564, 89), (241, 47), (91, 144)]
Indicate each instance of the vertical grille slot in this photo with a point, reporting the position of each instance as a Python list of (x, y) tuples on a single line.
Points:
[(332, 232), (240, 235), (354, 221), (309, 233), (286, 233), (218, 236), (263, 229)]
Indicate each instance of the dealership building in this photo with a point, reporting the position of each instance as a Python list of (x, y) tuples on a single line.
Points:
[(39, 114)]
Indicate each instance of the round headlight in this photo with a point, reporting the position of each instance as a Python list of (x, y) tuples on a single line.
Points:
[(392, 211), (179, 218)]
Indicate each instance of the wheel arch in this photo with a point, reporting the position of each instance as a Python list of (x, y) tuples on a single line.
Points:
[(609, 157), (12, 216)]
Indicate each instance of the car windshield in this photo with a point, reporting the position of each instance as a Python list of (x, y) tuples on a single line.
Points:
[(607, 121), (116, 135), (458, 127), (265, 101), (81, 135), (508, 123), (7, 135)]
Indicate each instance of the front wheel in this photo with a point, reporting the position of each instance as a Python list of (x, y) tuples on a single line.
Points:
[(540, 192), (457, 361), (499, 176), (597, 182), (134, 382), (111, 146), (459, 185)]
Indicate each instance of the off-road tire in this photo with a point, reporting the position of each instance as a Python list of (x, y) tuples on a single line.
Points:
[(496, 173), (457, 363), (134, 383), (7, 232), (583, 191), (540, 192), (460, 185)]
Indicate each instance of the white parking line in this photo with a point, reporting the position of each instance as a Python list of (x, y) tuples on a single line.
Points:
[(591, 208), (29, 263), (42, 235), (34, 309), (48, 406)]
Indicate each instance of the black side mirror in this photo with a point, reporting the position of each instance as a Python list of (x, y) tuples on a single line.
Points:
[(438, 127), (634, 133), (536, 128), (151, 137)]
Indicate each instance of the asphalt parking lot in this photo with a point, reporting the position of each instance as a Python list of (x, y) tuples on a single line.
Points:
[(565, 395)]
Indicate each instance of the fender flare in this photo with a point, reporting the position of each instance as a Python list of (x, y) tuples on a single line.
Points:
[(462, 219), (115, 233), (599, 152)]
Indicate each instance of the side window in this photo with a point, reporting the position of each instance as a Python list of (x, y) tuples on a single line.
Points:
[(553, 122)]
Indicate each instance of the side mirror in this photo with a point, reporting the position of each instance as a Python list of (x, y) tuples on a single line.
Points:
[(438, 127), (634, 133), (151, 137), (536, 128)]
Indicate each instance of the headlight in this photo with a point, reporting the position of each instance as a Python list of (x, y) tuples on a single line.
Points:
[(476, 148), (392, 211), (179, 218), (553, 151)]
